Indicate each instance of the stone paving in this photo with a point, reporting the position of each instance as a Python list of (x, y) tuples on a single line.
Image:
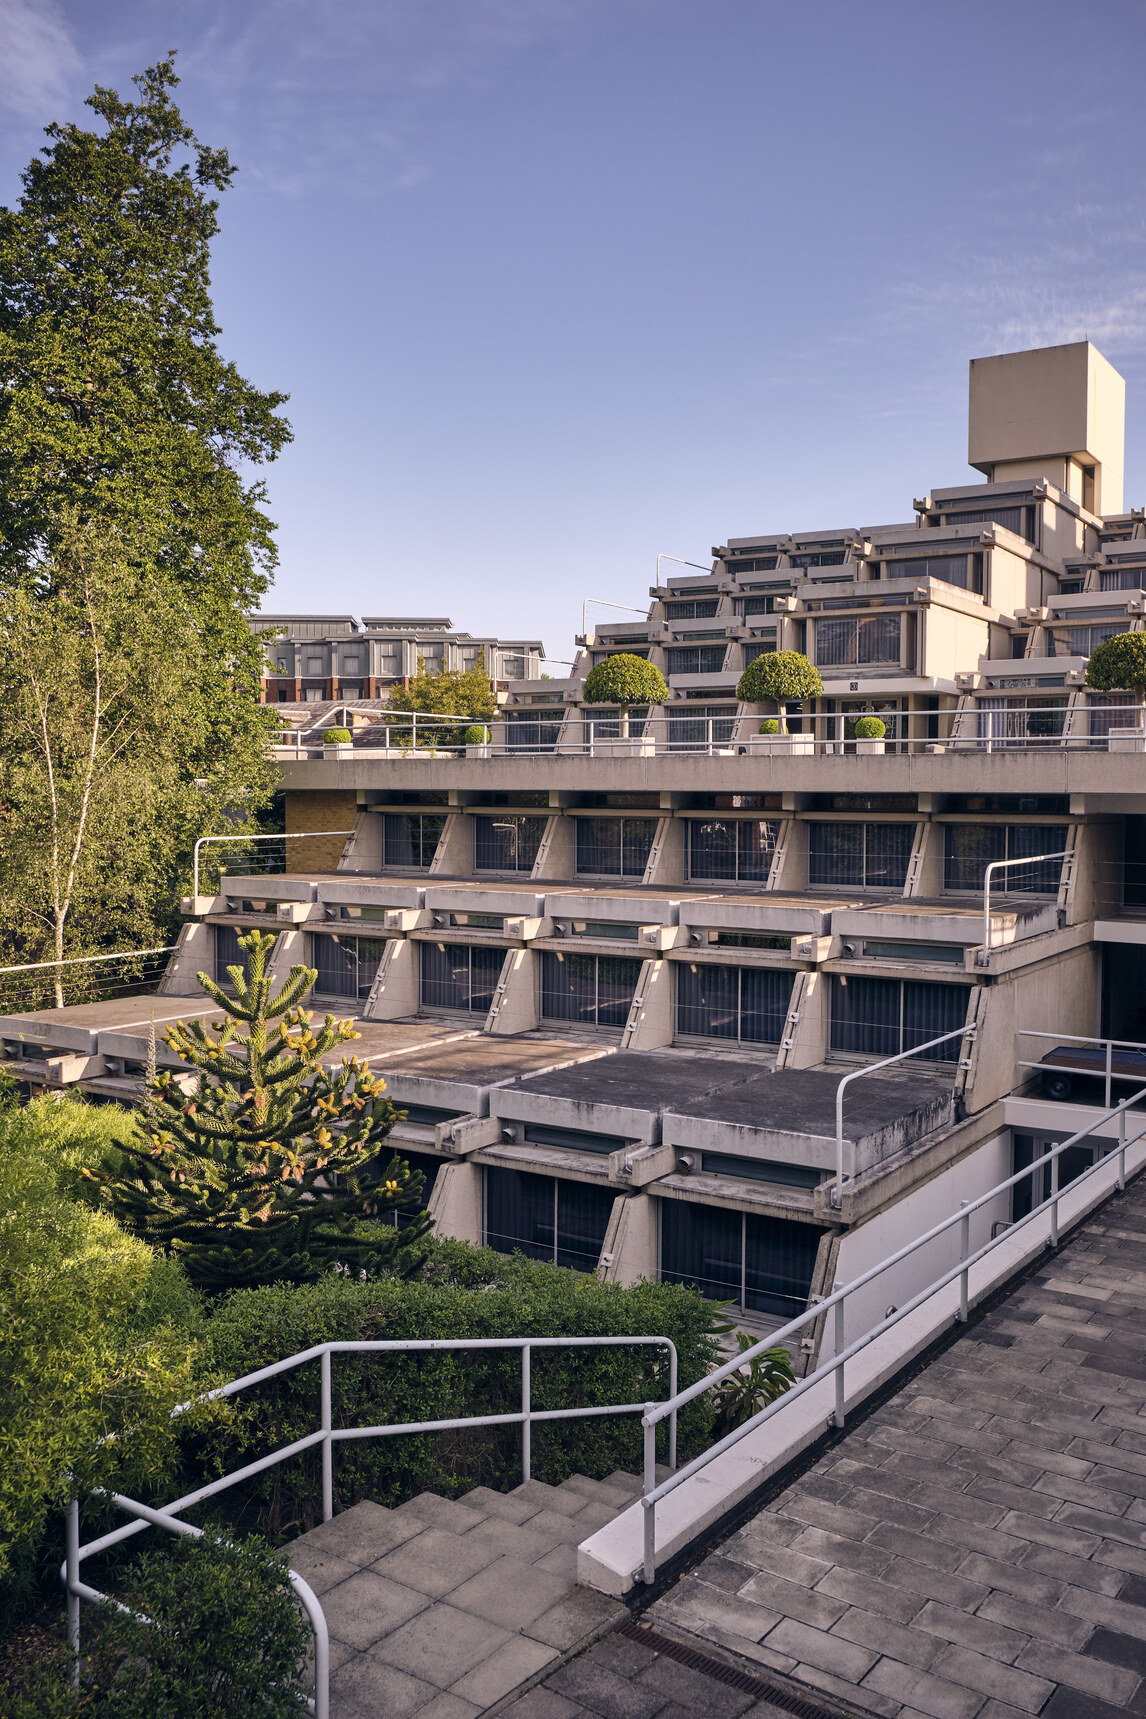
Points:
[(977, 1547)]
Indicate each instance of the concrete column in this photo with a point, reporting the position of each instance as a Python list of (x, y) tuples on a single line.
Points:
[(806, 1038), (925, 870), (456, 1204), (514, 1006), (1093, 888), (790, 860), (667, 859), (394, 993), (557, 855), (289, 951), (650, 1022), (630, 1251), (363, 852), (194, 953), (454, 854)]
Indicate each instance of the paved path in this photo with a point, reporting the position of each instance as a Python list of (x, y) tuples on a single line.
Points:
[(978, 1546)]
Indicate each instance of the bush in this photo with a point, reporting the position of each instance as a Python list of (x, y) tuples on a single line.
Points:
[(870, 728), (1119, 665), (769, 726), (783, 676), (464, 1292), (227, 1640), (336, 737), (477, 736), (97, 1335), (625, 679)]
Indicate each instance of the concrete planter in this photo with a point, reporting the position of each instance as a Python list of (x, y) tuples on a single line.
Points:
[(785, 745), (337, 749), (481, 750), (632, 747), (1126, 740), (871, 746)]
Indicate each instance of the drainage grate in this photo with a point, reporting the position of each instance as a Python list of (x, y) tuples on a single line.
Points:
[(747, 1681)]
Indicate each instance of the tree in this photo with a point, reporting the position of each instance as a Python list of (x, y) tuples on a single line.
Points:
[(1119, 664), (124, 438), (258, 1174), (465, 693), (782, 676), (625, 679)]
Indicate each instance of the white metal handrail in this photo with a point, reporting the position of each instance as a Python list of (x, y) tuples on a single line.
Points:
[(81, 960), (834, 1303), (289, 836), (1004, 865), (327, 1435), (870, 1068), (1107, 1073)]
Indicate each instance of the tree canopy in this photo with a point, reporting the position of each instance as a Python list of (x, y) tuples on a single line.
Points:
[(465, 693), (1119, 664), (625, 679), (783, 676)]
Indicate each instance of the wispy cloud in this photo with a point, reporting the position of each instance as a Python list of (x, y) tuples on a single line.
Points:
[(37, 57)]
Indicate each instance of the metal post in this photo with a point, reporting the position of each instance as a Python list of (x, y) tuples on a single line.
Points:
[(840, 1345), (672, 1416), (1054, 1201), (414, 733), (526, 1427), (73, 1557), (1109, 1060), (650, 1509), (964, 1250), (327, 1443), (1122, 1150)]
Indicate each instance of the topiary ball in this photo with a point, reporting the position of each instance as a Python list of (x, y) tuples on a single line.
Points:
[(476, 735), (870, 728), (769, 726), (336, 736), (782, 676), (625, 679), (1119, 665)]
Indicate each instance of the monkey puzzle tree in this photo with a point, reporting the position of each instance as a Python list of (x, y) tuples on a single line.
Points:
[(258, 1175)]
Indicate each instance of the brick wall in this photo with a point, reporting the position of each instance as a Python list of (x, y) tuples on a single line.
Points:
[(330, 810)]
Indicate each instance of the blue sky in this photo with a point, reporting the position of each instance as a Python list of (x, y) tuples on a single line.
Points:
[(558, 284)]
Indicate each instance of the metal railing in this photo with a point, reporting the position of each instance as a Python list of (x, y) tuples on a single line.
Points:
[(1005, 865), (238, 841), (327, 1435), (996, 725), (835, 1304), (148, 967), (966, 1032), (1106, 1072)]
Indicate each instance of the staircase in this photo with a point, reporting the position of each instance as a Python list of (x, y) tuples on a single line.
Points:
[(473, 1598)]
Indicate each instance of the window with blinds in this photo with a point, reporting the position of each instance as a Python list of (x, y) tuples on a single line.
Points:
[(970, 848), (859, 856), (737, 849), (458, 976), (696, 659), (546, 1218), (864, 639), (761, 1265), (883, 1017), (410, 839), (346, 966), (588, 990), (614, 847), (507, 842), (748, 1005)]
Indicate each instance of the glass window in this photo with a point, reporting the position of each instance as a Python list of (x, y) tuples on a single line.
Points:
[(1020, 520), (754, 605), (706, 725), (739, 849), (964, 571), (228, 953), (507, 842), (536, 731), (882, 1017), (697, 610), (410, 839), (346, 965), (748, 1004), (696, 659), (407, 1211), (761, 649), (1118, 579), (546, 1218), (614, 847), (593, 990), (971, 847), (761, 1265), (864, 639), (859, 856), (1020, 720), (1082, 640), (1028, 1149), (458, 976)]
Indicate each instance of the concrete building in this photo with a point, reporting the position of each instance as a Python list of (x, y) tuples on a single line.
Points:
[(315, 659), (615, 964)]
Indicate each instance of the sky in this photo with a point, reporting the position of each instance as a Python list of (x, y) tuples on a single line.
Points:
[(556, 286)]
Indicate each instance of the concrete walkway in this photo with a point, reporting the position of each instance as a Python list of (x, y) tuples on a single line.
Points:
[(978, 1546)]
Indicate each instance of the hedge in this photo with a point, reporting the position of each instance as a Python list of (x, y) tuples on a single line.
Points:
[(466, 1292), (781, 676), (1119, 664), (336, 737), (870, 728), (625, 679)]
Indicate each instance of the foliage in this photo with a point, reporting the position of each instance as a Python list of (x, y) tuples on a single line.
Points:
[(477, 735), (97, 1335), (336, 737), (259, 1173), (125, 438), (463, 1292), (751, 1388), (870, 728), (216, 1634), (466, 694), (783, 676), (625, 679), (1119, 664), (770, 725)]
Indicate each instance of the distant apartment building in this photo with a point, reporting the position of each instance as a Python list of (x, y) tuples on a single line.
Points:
[(313, 659)]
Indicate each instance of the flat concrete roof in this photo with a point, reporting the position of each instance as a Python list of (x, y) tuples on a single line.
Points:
[(650, 1080), (803, 1100)]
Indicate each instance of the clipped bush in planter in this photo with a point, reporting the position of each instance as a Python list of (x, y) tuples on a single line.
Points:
[(870, 728), (477, 735), (625, 679), (336, 737), (770, 725), (783, 676), (1119, 665)]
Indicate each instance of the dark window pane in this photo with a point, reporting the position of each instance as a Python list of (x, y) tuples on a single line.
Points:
[(969, 849), (865, 1015), (706, 1000), (507, 842), (519, 1213), (1028, 840), (411, 838), (764, 998), (485, 971), (701, 1246), (888, 853), (616, 987), (599, 846), (711, 849), (835, 856), (755, 846), (228, 953), (583, 1214), (444, 976), (930, 1011), (637, 837), (779, 1258), (569, 987)]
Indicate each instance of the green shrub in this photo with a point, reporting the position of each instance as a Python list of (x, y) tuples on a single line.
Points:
[(227, 1640), (870, 728), (1119, 665), (464, 1292), (477, 736), (336, 737), (783, 676), (625, 679), (97, 1335), (769, 726)]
